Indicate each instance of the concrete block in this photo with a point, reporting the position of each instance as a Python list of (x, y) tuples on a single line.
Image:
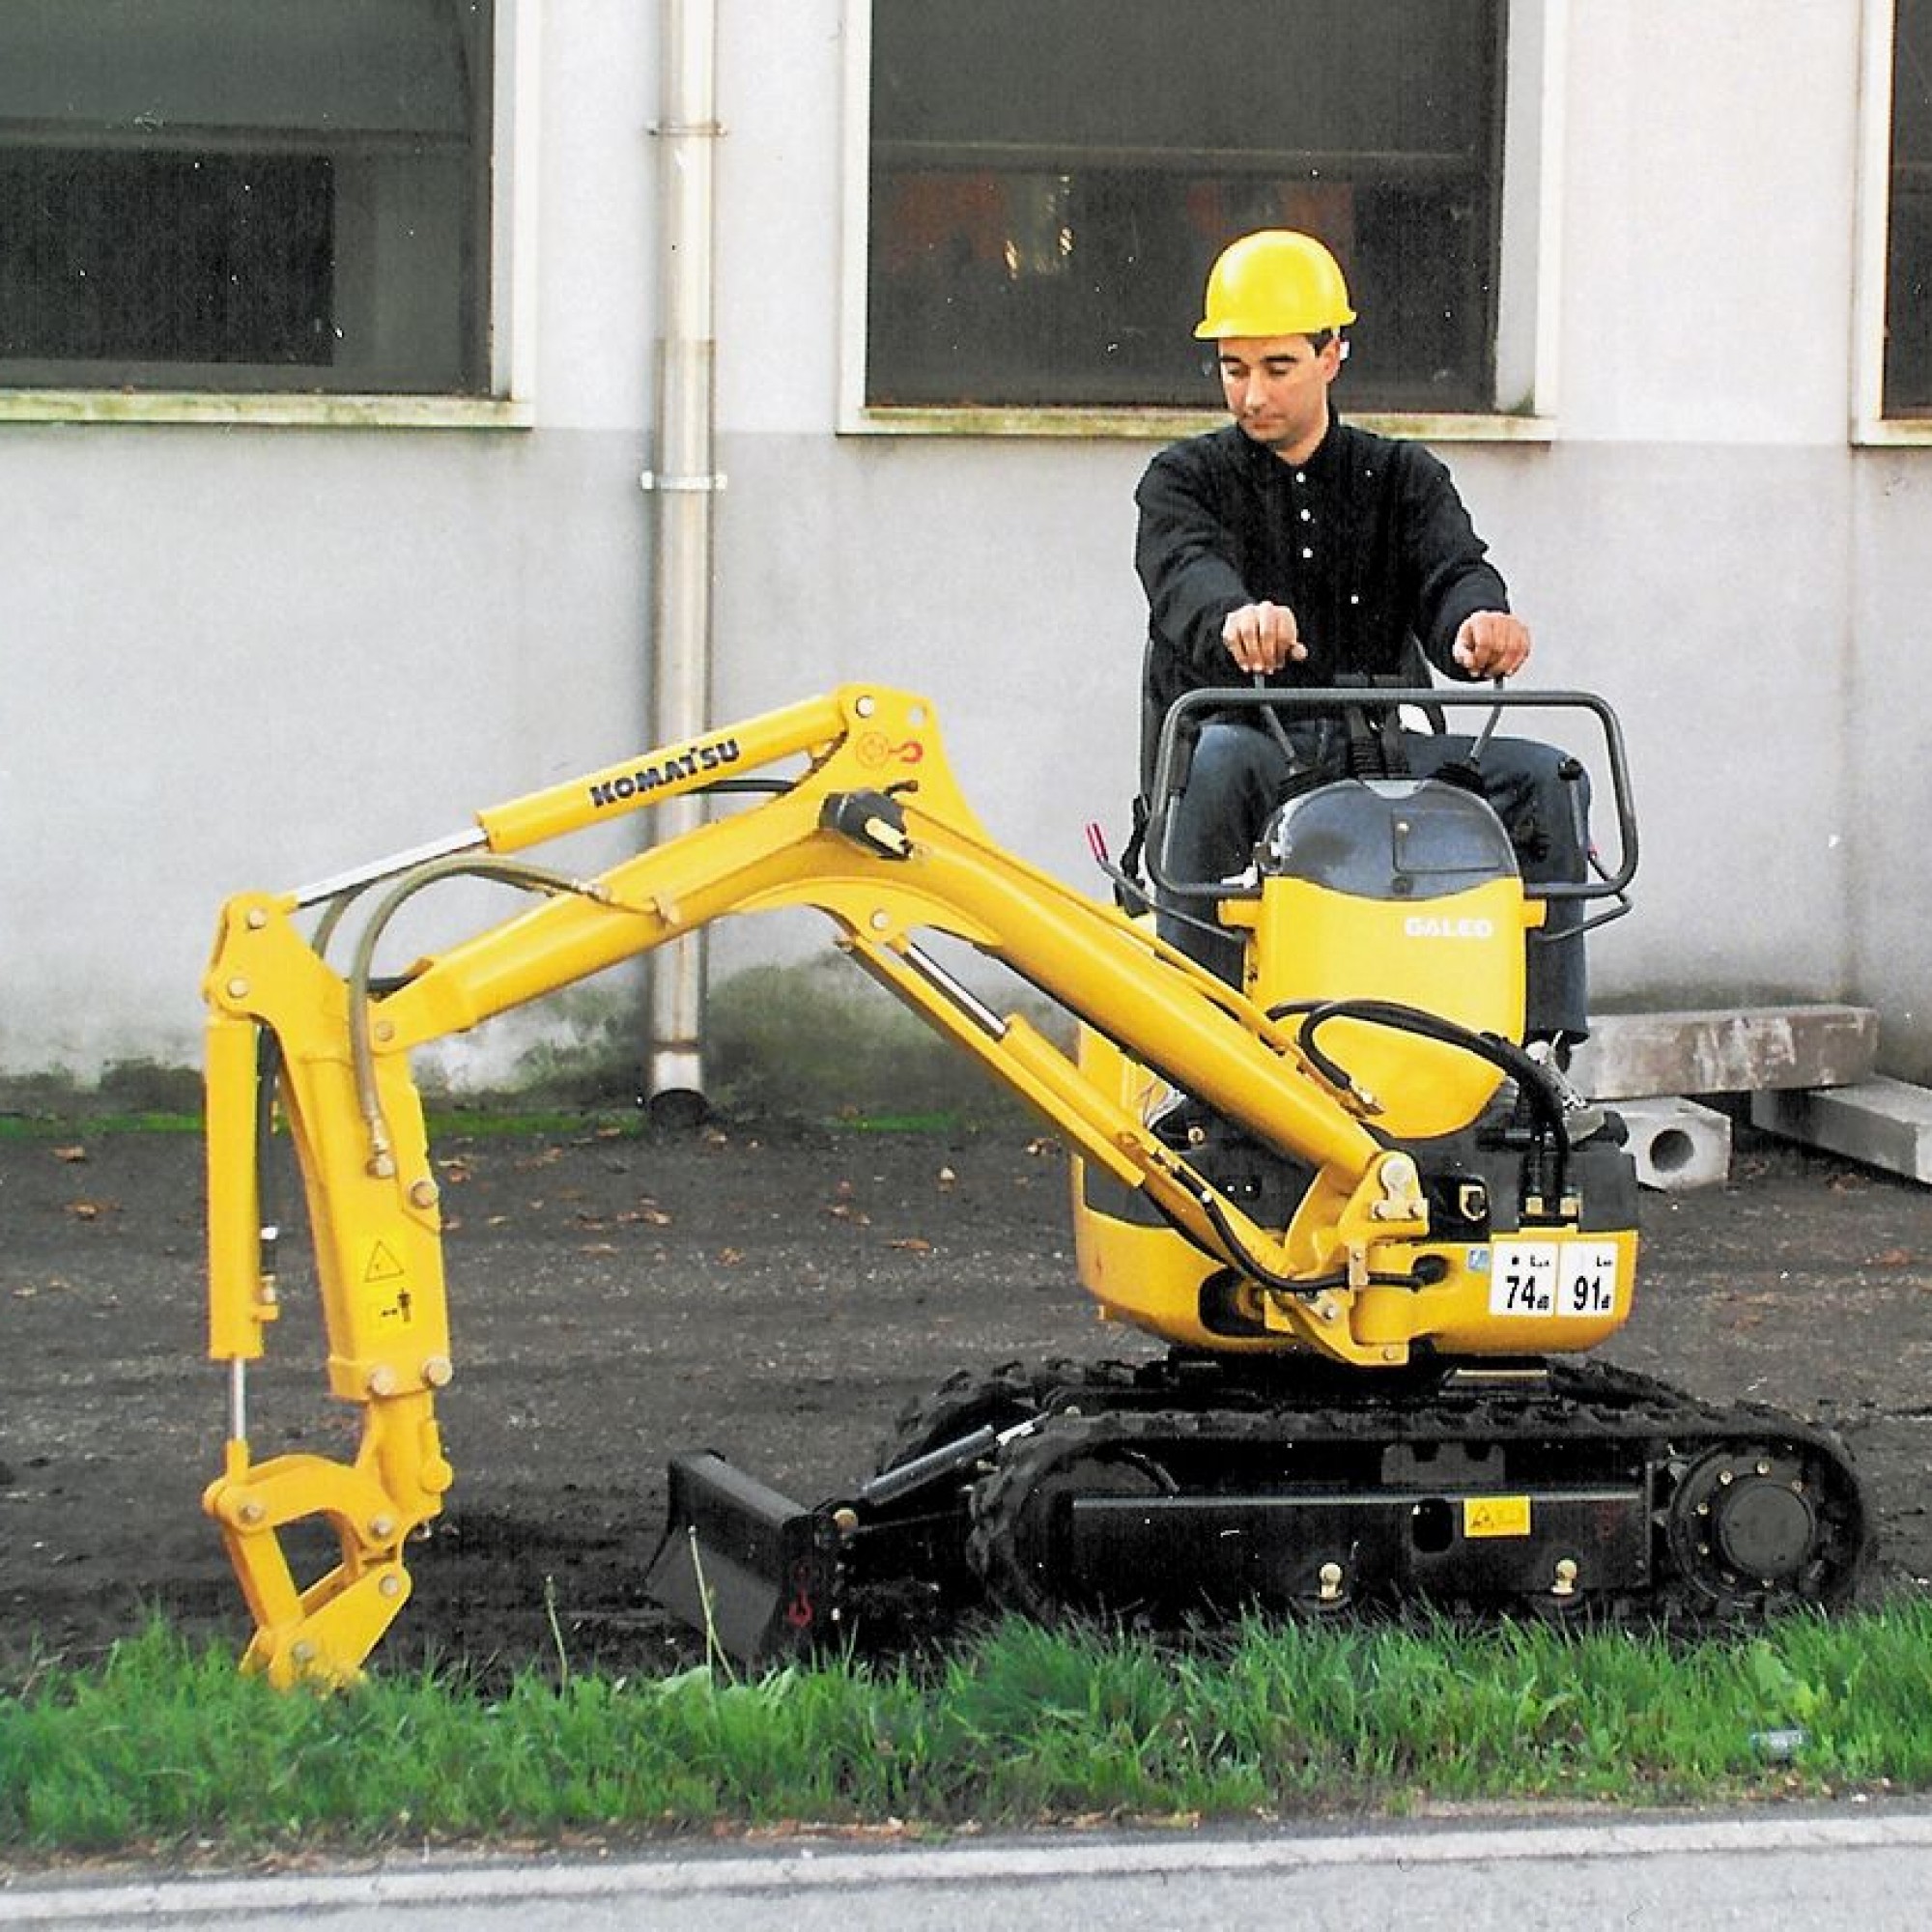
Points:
[(1884, 1123), (1753, 1049), (1677, 1144)]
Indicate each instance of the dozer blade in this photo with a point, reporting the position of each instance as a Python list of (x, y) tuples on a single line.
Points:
[(751, 1569)]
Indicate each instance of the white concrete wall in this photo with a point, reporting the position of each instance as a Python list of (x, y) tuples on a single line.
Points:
[(240, 657)]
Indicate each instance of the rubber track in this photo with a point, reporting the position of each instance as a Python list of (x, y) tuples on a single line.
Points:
[(972, 1396), (1587, 1401)]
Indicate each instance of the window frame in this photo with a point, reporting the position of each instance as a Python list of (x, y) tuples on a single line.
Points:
[(1528, 255), (515, 76), (1872, 227)]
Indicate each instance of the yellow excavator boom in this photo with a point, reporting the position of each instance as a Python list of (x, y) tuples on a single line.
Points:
[(869, 826)]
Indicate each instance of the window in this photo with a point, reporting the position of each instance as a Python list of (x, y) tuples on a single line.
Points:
[(1908, 245), (246, 195), (1048, 182)]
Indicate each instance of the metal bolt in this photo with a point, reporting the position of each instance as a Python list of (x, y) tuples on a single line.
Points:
[(1329, 1578), (423, 1194), (303, 1651), (257, 919), (1565, 1584), (391, 1585), (251, 1512), (382, 1379), (438, 1371), (845, 1521), (238, 988), (382, 1528)]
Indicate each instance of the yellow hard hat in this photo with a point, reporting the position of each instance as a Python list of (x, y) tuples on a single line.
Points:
[(1274, 282)]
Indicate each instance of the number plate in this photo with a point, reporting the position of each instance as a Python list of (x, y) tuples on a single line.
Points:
[(1576, 1278)]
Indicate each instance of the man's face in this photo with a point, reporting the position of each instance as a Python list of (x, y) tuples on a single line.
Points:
[(1277, 388)]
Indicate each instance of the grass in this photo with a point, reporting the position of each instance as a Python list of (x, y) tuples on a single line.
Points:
[(164, 1747), (71, 1126)]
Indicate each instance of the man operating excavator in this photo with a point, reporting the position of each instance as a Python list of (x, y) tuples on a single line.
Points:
[(1292, 548)]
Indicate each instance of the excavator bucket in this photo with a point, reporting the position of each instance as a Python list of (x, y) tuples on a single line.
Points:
[(753, 1570)]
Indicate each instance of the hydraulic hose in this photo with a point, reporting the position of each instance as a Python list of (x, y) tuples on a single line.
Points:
[(1505, 1054), (502, 872)]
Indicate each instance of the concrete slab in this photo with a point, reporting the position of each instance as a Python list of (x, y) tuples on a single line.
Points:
[(1748, 1050), (1677, 1144), (1884, 1123)]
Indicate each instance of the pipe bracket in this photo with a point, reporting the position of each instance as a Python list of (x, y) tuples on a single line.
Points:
[(650, 480)]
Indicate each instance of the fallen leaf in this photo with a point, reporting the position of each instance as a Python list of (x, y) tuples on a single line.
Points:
[(947, 1176), (87, 1211), (729, 1257), (1891, 1257), (913, 1244), (597, 1248), (70, 1154)]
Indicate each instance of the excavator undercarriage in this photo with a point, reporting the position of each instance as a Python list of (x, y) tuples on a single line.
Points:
[(1198, 1488)]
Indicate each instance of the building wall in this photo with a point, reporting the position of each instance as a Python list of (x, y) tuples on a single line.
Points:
[(248, 656)]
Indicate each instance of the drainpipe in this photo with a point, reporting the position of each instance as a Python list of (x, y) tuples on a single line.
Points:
[(682, 488)]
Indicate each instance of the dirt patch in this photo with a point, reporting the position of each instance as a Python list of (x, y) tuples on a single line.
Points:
[(776, 1296)]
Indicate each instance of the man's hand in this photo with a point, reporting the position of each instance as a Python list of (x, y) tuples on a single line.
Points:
[(1263, 637), (1492, 643)]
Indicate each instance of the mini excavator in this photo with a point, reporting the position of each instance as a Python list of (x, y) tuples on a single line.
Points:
[(1375, 1240)]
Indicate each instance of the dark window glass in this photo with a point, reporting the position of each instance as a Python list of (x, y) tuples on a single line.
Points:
[(1052, 178), (245, 194), (1907, 303), (165, 258)]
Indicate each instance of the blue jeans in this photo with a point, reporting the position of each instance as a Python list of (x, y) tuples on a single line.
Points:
[(1236, 779)]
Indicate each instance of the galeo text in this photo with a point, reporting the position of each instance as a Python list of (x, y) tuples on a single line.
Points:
[(1420, 925)]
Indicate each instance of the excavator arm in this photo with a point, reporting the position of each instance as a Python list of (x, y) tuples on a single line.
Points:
[(860, 817)]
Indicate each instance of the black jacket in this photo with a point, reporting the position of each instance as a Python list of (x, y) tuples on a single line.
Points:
[(1367, 542)]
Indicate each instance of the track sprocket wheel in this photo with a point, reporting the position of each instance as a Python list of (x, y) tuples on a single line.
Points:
[(1755, 1527)]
